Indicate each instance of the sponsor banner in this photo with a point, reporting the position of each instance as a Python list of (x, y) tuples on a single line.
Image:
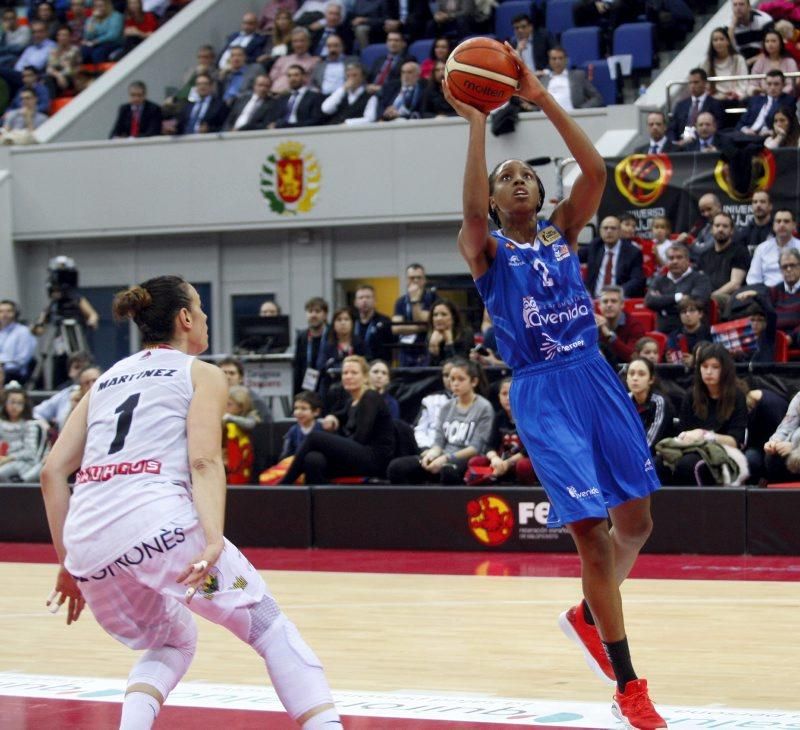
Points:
[(647, 186), (479, 710)]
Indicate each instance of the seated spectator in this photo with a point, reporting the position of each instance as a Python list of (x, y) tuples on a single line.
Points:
[(684, 116), (706, 137), (252, 110), (299, 56), (409, 18), (387, 68), (102, 34), (14, 38), (653, 408), (306, 411), (38, 52), (269, 308), (791, 38), (447, 336), (661, 235), (759, 228), (374, 328), (309, 12), (464, 428), (647, 348), (693, 331), (722, 60), (340, 341), (366, 21), (506, 454), (785, 130), (659, 143), (63, 63), (247, 37), (17, 344), (765, 411), (240, 409), (278, 41), (87, 378), (31, 81), (532, 44), (234, 372), (269, 13), (301, 107), (701, 235), (453, 18), (410, 318), (613, 260), (332, 24), (205, 115), (773, 56), (782, 450), (714, 410), (569, 87), (681, 280), (725, 263), (747, 28), (238, 420), (56, 409), (330, 73), (357, 441), (440, 51), (379, 380), (607, 14), (765, 266), (19, 124), (757, 119), (403, 99), (308, 344), (485, 352), (237, 77), (617, 333), (76, 19), (175, 103), (139, 117), (431, 406), (24, 439), (45, 13), (139, 25), (434, 103)]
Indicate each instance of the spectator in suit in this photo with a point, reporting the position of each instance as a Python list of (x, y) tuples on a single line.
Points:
[(758, 118), (403, 99), (701, 235), (723, 60), (759, 229), (725, 263), (351, 103), (785, 130), (62, 64), (440, 51), (102, 33), (207, 114), (332, 24), (533, 44), (773, 56), (411, 314), (17, 344), (301, 107), (248, 38), (707, 139), (14, 38), (612, 260), (570, 88), (300, 42), (308, 344), (237, 77), (765, 267), (617, 333), (681, 280), (659, 143), (38, 52), (329, 74), (387, 68), (684, 117), (205, 64), (139, 117), (409, 17), (252, 110), (453, 18), (434, 103), (374, 328), (366, 21), (747, 28)]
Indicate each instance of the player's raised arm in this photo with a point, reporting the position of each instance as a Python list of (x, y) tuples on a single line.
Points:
[(473, 239), (573, 213)]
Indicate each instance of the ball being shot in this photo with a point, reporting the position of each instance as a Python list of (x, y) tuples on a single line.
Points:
[(482, 72)]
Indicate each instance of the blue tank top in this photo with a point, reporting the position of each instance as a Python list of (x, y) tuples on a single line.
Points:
[(539, 305)]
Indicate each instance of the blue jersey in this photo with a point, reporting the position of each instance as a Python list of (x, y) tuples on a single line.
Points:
[(536, 298)]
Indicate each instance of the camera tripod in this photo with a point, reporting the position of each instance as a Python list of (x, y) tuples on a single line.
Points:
[(60, 337)]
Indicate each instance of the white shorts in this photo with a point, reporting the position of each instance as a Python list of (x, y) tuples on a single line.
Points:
[(137, 601)]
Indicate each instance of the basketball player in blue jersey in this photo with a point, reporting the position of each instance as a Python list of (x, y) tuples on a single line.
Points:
[(581, 430)]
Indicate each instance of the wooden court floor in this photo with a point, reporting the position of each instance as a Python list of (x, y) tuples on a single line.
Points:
[(698, 642)]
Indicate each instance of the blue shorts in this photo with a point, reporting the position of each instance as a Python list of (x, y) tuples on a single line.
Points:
[(583, 435)]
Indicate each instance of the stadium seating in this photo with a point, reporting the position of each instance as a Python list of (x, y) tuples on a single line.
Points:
[(581, 45), (505, 13), (421, 49), (636, 39), (372, 53), (560, 16)]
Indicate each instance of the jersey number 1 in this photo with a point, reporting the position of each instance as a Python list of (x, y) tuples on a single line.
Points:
[(125, 410)]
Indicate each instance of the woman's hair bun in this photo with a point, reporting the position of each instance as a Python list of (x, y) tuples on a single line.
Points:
[(130, 302)]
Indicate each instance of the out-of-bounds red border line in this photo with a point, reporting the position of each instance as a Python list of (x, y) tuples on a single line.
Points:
[(559, 565), (29, 713)]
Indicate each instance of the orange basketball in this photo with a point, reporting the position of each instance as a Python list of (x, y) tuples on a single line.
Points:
[(481, 72)]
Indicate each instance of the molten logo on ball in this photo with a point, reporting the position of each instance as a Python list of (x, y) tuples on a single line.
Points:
[(490, 519), (482, 72), (643, 178)]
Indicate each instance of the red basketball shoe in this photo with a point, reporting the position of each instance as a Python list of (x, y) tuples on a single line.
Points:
[(635, 708), (574, 626)]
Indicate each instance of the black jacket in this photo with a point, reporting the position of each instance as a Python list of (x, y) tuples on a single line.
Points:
[(629, 274), (149, 121), (680, 116)]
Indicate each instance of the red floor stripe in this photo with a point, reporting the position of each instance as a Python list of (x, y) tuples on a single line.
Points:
[(681, 567), (21, 713)]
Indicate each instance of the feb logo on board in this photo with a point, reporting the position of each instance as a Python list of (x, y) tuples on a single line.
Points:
[(290, 179)]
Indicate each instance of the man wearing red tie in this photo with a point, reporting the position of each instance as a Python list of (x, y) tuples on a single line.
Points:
[(139, 117), (613, 260)]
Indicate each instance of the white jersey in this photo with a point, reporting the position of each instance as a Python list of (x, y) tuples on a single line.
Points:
[(134, 476)]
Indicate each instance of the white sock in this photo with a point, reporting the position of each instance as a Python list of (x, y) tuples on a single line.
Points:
[(139, 711), (325, 720)]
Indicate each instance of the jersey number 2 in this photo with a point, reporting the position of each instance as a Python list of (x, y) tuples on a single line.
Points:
[(125, 410)]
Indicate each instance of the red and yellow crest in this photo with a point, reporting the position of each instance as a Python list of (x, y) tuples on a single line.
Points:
[(643, 178), (290, 179), (490, 519)]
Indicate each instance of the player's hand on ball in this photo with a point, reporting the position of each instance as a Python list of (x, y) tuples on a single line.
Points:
[(530, 88), (463, 110), (66, 590), (194, 575)]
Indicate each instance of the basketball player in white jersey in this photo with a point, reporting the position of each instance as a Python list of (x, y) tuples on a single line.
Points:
[(142, 533)]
